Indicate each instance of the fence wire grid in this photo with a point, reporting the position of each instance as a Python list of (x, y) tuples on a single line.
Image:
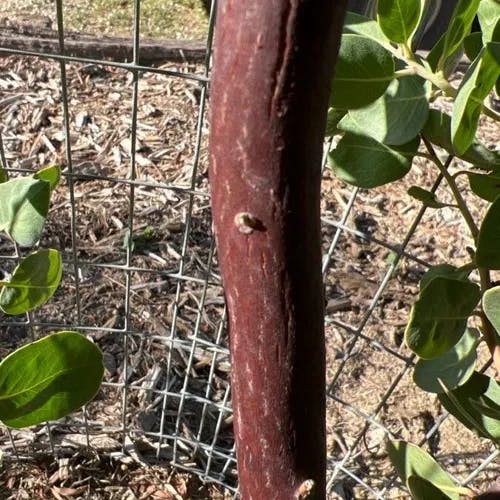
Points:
[(154, 303)]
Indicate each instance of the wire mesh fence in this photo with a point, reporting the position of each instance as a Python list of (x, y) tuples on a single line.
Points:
[(141, 278)]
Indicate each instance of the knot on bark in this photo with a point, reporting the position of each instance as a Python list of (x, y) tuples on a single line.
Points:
[(248, 223)]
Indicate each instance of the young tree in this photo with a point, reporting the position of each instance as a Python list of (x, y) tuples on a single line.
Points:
[(273, 64)]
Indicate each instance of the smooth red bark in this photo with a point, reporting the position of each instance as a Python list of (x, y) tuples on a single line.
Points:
[(273, 65)]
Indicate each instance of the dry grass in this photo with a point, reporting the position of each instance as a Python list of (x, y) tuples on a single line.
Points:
[(183, 19)]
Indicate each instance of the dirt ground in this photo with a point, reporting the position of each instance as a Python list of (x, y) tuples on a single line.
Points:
[(366, 377)]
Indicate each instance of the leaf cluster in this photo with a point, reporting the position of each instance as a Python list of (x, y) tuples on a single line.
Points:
[(382, 115), (49, 378)]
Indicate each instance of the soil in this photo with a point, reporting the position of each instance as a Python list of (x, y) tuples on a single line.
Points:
[(157, 311)]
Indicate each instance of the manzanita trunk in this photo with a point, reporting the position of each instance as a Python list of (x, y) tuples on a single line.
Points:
[(273, 66)]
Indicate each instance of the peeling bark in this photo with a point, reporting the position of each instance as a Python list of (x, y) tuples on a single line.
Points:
[(273, 67)]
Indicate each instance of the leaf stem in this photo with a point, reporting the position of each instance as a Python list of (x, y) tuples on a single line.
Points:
[(405, 72), (464, 172), (462, 206), (437, 79), (414, 67), (406, 49)]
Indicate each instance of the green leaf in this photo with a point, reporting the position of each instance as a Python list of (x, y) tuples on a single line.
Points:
[(462, 401), (426, 197), (50, 174), (443, 271), (473, 44), (33, 282), (437, 130), (488, 14), (24, 203), (48, 379), (439, 316), (396, 117), (421, 489), (475, 87), (434, 57), (488, 244), (333, 118), (491, 306), (462, 412), (485, 186), (398, 19), (356, 24), (411, 461), (365, 162), (488, 411), (363, 72), (4, 176), (453, 368), (458, 28)]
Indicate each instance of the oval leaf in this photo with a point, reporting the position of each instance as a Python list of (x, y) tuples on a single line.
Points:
[(488, 243), (426, 197), (33, 282), (473, 45), (452, 61), (488, 15), (332, 120), (471, 402), (443, 270), (458, 28), (421, 489), (50, 174), (48, 379), (365, 162), (363, 71), (485, 186), (437, 130), (24, 203), (491, 306), (398, 19), (475, 87), (411, 461), (356, 24), (396, 117), (439, 316), (453, 368)]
